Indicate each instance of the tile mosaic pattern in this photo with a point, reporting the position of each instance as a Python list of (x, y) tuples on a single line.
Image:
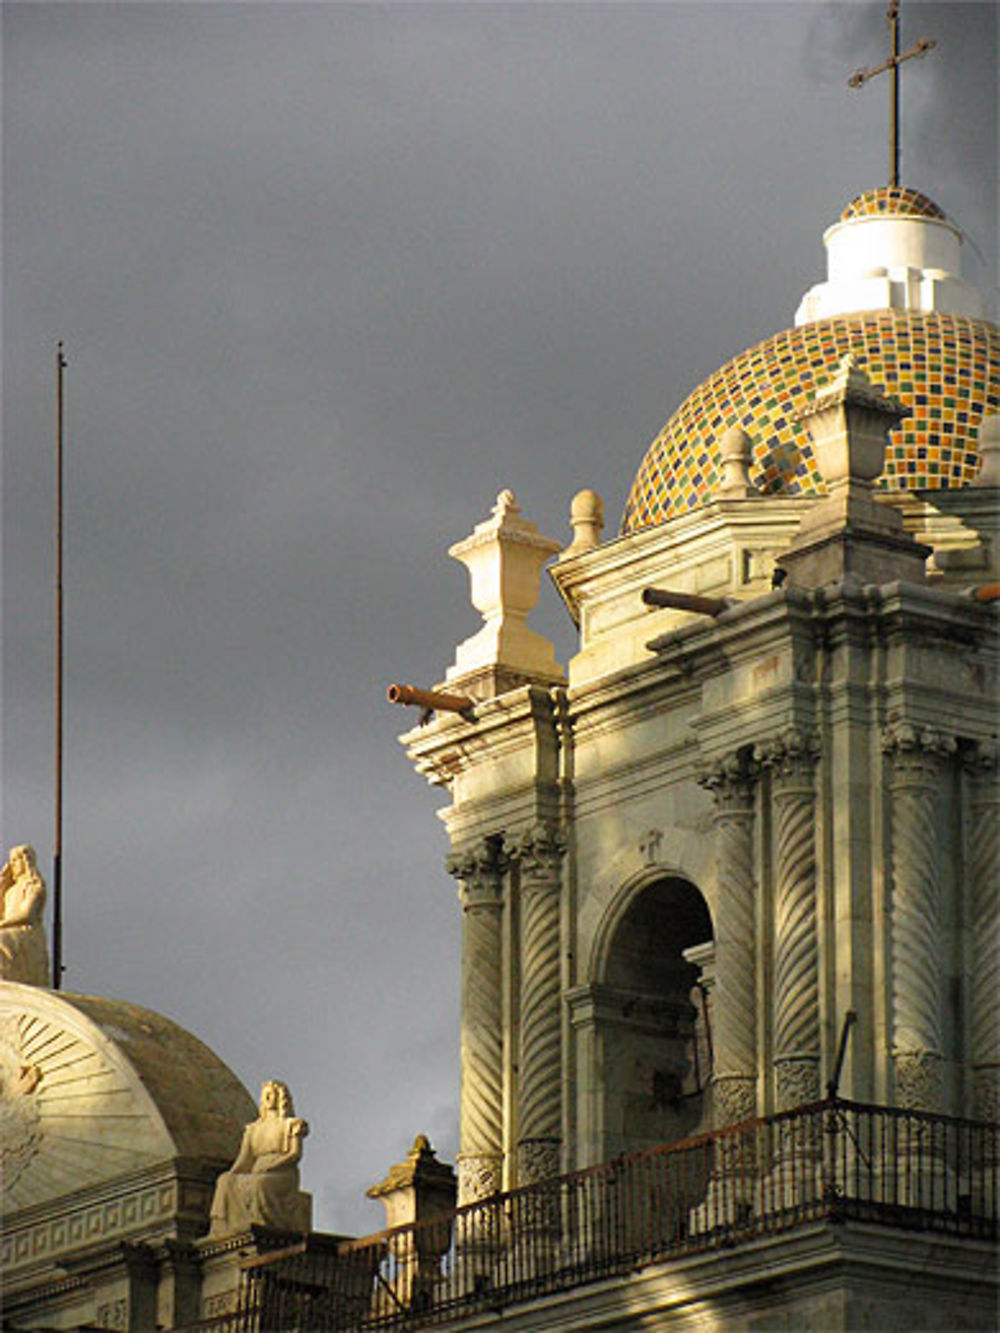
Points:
[(892, 199), (945, 368)]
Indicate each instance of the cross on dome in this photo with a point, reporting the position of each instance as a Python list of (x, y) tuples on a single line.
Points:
[(861, 77)]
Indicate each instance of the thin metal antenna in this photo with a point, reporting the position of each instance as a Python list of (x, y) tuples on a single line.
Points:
[(57, 964)]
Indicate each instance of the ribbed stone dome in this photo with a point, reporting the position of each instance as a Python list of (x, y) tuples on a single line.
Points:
[(944, 367), (93, 1090)]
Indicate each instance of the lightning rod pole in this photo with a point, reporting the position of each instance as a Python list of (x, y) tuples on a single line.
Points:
[(57, 963)]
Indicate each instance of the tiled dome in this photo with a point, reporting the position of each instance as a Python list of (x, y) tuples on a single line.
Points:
[(892, 200), (945, 368)]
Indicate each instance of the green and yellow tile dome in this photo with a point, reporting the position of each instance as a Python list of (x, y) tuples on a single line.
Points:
[(944, 367)]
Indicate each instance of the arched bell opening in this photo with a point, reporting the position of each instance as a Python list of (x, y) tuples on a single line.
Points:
[(653, 1019)]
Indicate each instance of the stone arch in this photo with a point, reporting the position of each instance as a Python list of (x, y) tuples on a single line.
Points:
[(650, 1012)]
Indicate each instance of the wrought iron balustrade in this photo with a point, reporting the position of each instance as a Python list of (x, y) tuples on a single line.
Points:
[(832, 1160)]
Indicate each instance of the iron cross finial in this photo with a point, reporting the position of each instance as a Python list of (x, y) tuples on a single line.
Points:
[(862, 76)]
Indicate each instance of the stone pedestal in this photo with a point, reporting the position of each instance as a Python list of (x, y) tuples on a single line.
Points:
[(414, 1191)]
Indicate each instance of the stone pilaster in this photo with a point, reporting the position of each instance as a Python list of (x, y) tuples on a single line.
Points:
[(984, 911), (791, 758), (918, 756), (481, 879), (732, 782), (539, 1101)]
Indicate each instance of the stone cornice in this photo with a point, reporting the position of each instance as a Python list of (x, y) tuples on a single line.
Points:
[(451, 745), (709, 646), (153, 1204), (634, 558)]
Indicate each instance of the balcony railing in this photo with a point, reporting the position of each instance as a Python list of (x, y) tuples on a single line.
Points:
[(833, 1160)]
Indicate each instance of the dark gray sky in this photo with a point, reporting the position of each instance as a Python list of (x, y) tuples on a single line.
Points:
[(330, 276)]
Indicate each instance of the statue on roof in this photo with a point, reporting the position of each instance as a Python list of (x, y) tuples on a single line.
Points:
[(23, 954), (261, 1188)]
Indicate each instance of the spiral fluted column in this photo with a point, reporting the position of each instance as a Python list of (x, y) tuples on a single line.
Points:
[(480, 1161), (791, 759), (734, 1082), (984, 918), (539, 1098), (918, 765)]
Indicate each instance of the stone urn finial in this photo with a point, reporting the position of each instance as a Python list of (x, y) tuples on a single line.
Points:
[(849, 421), (849, 533), (504, 556)]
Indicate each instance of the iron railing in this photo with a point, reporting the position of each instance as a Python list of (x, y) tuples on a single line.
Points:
[(832, 1160)]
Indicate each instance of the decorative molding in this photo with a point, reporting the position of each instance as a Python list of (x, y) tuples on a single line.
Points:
[(538, 1159), (790, 756), (798, 1080), (734, 1098), (919, 1079), (986, 1092), (539, 852), (113, 1314), (732, 780), (916, 752), (480, 872), (221, 1303), (88, 1225), (20, 1117), (479, 1177)]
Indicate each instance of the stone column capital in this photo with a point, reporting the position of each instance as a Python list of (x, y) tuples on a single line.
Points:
[(916, 752), (982, 760), (480, 871), (539, 850), (790, 756), (731, 778)]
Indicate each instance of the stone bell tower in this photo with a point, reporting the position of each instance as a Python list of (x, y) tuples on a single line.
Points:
[(746, 846)]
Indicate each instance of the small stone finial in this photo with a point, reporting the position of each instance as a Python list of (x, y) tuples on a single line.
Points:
[(504, 556), (23, 955), (586, 516), (989, 451), (737, 455), (506, 503)]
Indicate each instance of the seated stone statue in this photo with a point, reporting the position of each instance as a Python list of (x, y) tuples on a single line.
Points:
[(23, 955), (262, 1186)]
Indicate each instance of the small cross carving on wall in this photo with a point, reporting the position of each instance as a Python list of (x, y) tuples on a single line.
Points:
[(649, 845)]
